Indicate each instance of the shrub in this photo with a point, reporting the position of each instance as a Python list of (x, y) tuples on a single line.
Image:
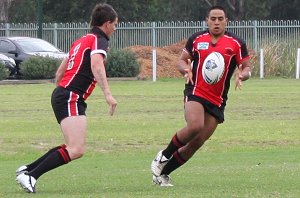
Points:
[(3, 71), (38, 67), (122, 63)]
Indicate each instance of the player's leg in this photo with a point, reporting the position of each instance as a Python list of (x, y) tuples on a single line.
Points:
[(210, 126), (74, 129), (53, 160), (62, 101), (181, 156), (164, 156), (28, 167), (194, 114)]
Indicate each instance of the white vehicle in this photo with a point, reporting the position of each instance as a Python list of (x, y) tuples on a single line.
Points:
[(9, 63)]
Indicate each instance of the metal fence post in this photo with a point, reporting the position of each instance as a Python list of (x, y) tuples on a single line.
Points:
[(55, 35), (255, 40), (262, 66), (40, 18), (154, 65), (298, 64), (7, 29), (203, 25)]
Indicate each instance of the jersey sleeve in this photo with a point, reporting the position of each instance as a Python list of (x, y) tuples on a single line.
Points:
[(189, 46), (99, 46), (243, 52)]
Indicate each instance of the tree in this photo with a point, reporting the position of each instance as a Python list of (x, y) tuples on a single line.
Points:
[(67, 10), (4, 6), (62, 11), (22, 11), (285, 9), (241, 9)]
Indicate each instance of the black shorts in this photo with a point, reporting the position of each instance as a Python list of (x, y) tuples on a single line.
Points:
[(66, 103), (214, 110)]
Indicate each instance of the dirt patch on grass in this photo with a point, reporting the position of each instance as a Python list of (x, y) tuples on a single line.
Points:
[(166, 58)]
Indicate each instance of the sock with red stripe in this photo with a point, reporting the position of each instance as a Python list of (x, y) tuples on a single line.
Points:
[(173, 146), (38, 161), (55, 159), (175, 162)]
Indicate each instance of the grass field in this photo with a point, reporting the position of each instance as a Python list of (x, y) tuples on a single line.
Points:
[(255, 153)]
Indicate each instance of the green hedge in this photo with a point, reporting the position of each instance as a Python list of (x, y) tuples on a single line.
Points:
[(122, 63), (4, 73), (38, 67)]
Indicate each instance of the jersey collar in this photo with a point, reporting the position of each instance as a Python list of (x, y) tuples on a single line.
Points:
[(98, 31)]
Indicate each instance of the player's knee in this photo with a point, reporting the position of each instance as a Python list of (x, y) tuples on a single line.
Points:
[(77, 152), (80, 152), (195, 128)]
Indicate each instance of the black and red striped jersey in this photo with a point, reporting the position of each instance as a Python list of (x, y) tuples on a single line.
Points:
[(78, 76), (199, 46)]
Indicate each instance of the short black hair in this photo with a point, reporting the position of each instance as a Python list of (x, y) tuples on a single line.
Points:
[(216, 8), (102, 13)]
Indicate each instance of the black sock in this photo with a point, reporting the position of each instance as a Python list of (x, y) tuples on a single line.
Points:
[(36, 162), (173, 146), (55, 159), (175, 162)]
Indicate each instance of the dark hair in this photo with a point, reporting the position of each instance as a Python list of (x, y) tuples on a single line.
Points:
[(216, 8), (102, 13)]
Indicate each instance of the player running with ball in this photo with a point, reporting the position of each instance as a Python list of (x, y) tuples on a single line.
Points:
[(204, 103)]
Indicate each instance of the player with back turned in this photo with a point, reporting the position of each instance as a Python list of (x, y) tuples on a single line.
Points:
[(204, 103), (76, 78)]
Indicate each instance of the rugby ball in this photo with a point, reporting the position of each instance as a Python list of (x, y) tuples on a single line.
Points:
[(213, 68)]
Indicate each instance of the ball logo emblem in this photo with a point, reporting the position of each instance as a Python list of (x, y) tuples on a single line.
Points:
[(210, 65)]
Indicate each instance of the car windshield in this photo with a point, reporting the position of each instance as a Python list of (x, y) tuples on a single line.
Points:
[(36, 45)]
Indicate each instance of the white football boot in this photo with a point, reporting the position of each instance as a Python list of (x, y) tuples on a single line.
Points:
[(27, 182), (21, 169), (163, 180), (158, 163)]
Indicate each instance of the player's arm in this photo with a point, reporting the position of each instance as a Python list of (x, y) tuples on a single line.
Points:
[(98, 69), (184, 66), (243, 73), (61, 70)]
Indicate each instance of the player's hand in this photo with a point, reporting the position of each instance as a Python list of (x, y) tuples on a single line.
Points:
[(238, 78), (188, 74), (112, 104)]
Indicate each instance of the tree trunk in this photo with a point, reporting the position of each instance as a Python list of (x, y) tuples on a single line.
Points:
[(4, 6), (237, 6)]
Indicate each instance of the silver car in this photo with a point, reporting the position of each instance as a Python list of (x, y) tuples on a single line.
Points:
[(22, 48)]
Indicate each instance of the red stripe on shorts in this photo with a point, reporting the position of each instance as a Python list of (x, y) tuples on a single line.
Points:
[(72, 104)]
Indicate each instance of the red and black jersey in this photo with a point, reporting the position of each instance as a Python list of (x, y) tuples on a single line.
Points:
[(78, 76), (199, 46)]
